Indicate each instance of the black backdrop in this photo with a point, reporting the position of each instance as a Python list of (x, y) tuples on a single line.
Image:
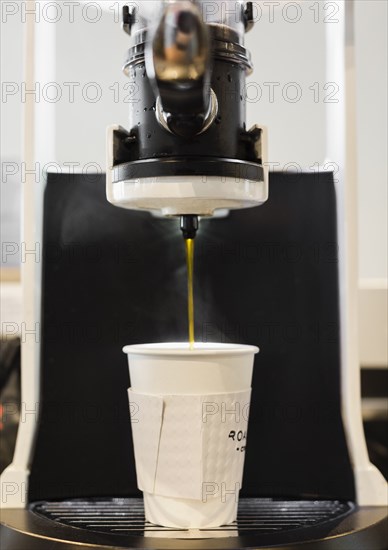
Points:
[(266, 276)]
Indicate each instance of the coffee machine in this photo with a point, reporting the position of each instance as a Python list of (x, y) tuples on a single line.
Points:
[(188, 152), (268, 273)]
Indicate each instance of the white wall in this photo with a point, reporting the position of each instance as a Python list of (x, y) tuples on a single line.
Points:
[(86, 53), (286, 53), (283, 52), (11, 126), (371, 59)]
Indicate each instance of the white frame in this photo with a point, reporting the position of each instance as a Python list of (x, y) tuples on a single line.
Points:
[(371, 487), (38, 149)]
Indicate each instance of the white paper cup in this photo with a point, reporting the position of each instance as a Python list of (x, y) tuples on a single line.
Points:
[(189, 413)]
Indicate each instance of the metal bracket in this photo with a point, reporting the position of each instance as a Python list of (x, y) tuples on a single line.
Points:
[(248, 17), (128, 19)]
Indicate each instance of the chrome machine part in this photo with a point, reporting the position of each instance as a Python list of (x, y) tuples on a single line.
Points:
[(162, 118), (178, 66)]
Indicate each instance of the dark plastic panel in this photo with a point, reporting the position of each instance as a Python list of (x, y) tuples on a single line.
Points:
[(266, 276)]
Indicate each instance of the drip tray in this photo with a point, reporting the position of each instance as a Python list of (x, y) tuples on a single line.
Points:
[(119, 523), (256, 517)]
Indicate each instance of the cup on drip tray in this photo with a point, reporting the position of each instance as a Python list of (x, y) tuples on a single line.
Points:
[(189, 413)]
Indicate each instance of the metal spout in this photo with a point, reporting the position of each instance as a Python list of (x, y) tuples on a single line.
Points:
[(189, 226)]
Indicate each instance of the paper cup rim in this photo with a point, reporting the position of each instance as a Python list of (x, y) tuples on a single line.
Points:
[(182, 349)]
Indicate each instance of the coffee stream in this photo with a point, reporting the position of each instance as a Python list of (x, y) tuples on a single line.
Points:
[(190, 288)]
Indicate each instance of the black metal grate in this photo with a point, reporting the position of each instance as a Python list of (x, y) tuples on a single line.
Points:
[(125, 516)]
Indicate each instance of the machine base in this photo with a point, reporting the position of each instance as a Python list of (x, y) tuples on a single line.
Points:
[(262, 523)]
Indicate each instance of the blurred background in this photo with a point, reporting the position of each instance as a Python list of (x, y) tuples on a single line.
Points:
[(84, 91)]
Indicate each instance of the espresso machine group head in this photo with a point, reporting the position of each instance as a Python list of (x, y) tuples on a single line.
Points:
[(187, 151)]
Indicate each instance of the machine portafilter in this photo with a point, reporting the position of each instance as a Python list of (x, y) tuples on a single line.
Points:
[(187, 152)]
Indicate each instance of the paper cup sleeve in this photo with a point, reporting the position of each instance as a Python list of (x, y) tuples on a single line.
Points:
[(186, 445)]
